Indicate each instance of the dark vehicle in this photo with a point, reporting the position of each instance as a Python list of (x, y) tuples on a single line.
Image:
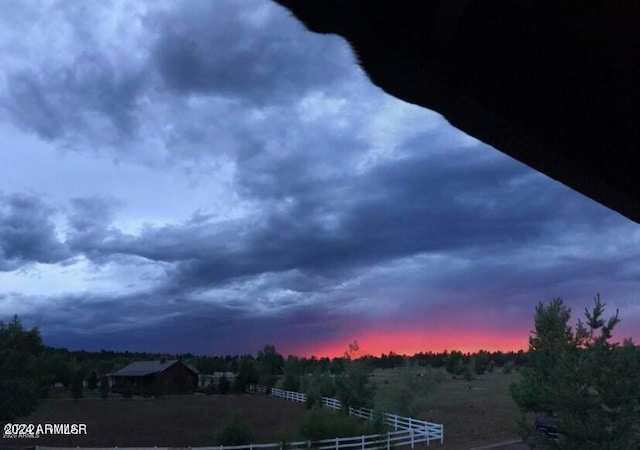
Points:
[(546, 423)]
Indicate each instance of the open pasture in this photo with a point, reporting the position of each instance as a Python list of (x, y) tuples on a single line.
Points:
[(475, 413), (175, 421)]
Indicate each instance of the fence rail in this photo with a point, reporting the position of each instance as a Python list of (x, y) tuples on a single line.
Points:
[(331, 403), (257, 389), (289, 395), (368, 442), (384, 441)]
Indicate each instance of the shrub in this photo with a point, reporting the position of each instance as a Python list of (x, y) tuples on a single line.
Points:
[(312, 400), (409, 391), (321, 424), (353, 386), (224, 385), (210, 389), (377, 425), (77, 387), (104, 387), (291, 382), (508, 367), (316, 426), (236, 432), (44, 383), (316, 386), (92, 380)]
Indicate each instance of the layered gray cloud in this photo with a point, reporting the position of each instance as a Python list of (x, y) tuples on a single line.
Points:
[(27, 233), (236, 179), (251, 52)]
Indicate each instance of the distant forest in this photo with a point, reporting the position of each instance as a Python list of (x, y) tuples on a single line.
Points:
[(29, 369), (107, 361)]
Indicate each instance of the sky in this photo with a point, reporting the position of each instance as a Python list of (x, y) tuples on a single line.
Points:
[(210, 177)]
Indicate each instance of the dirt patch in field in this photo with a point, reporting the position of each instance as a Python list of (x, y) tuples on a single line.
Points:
[(176, 421)]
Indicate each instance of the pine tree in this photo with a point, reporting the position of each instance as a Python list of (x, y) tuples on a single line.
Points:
[(19, 385), (591, 385), (353, 386)]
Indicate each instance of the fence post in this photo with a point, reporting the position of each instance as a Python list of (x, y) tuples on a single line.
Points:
[(442, 434), (395, 423), (363, 442), (337, 443), (388, 441), (411, 432)]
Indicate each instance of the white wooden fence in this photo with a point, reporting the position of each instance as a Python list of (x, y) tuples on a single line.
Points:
[(385, 441), (421, 431), (288, 395), (331, 403)]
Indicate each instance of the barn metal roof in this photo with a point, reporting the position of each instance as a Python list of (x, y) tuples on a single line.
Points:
[(142, 368)]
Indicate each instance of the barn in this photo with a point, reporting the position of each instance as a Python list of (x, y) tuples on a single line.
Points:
[(166, 376)]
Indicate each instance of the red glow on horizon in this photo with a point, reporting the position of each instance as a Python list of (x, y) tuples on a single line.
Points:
[(409, 342)]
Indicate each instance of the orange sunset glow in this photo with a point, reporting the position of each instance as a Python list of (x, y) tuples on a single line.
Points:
[(410, 342)]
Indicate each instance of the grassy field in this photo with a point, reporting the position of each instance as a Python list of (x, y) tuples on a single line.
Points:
[(476, 413), (180, 421), (175, 421)]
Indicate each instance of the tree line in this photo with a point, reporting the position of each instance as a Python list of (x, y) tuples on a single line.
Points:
[(29, 369), (580, 376)]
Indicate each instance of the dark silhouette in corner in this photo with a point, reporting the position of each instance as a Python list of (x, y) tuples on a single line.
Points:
[(554, 84)]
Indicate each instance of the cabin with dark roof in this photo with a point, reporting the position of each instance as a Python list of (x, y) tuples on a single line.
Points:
[(166, 376)]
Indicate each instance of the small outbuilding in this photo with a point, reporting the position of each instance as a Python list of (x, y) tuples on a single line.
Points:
[(166, 376), (207, 379)]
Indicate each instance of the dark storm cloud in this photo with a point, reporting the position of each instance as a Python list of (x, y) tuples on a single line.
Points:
[(91, 228), (93, 215), (92, 99), (68, 80), (479, 206), (27, 233), (143, 323), (343, 203), (250, 51)]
